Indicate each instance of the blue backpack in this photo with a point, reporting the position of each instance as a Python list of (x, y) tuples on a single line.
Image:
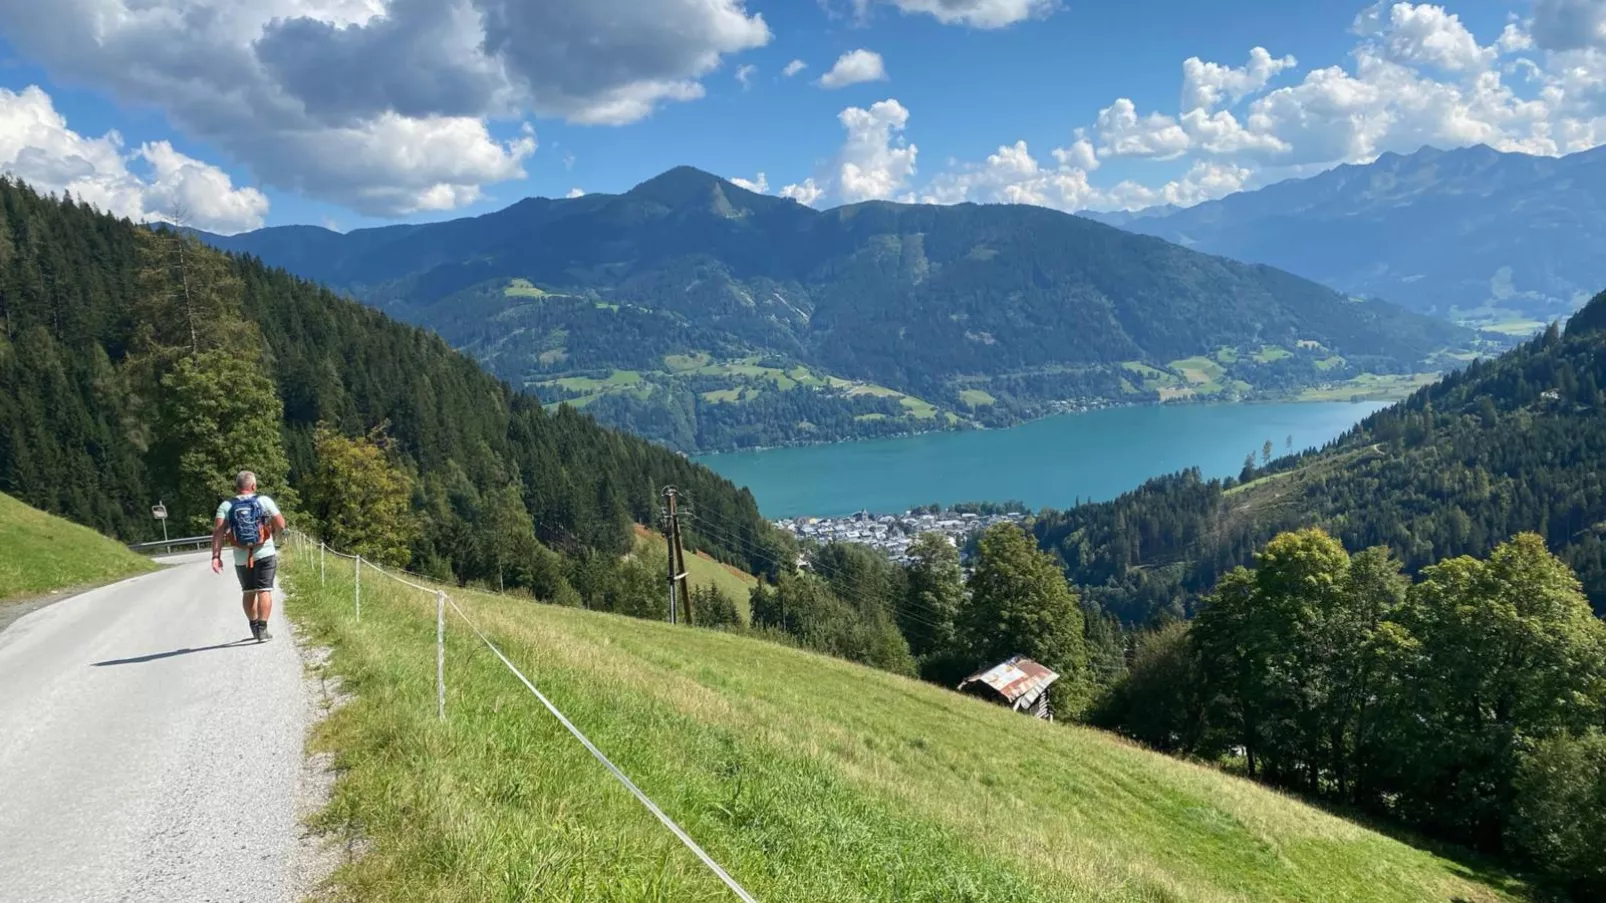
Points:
[(245, 522)]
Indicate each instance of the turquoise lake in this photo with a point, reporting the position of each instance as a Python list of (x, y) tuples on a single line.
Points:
[(1050, 462)]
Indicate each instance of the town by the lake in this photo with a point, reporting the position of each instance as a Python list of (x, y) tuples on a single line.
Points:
[(892, 534)]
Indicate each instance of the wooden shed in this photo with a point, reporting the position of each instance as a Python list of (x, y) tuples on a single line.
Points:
[(1019, 683)]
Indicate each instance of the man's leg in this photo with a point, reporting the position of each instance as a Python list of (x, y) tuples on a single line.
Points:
[(264, 604), (249, 603)]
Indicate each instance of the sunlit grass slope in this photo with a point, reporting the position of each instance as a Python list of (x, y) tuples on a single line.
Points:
[(703, 570), (808, 778), (40, 553)]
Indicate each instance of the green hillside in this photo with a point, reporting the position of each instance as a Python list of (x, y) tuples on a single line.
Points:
[(44, 554), (108, 402), (704, 571), (708, 317), (808, 778), (1504, 446)]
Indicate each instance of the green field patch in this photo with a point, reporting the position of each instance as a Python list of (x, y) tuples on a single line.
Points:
[(1153, 378), (1269, 354), (869, 418), (1199, 371), (1515, 327), (1370, 387), (871, 389), (703, 570), (1330, 363), (1228, 355), (723, 396), (524, 288), (1146, 371), (618, 379), (1175, 393), (976, 398), (922, 410), (1258, 482), (680, 363)]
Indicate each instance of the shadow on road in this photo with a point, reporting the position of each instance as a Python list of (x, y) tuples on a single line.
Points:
[(159, 655)]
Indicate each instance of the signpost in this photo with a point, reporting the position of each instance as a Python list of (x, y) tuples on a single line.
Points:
[(159, 511)]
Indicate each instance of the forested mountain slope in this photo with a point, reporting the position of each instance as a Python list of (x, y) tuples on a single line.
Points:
[(1509, 445), (707, 316), (135, 366), (1473, 232)]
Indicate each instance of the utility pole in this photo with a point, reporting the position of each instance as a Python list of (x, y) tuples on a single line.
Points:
[(679, 589)]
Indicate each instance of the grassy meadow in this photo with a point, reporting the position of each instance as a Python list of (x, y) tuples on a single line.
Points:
[(808, 778), (703, 570), (40, 553)]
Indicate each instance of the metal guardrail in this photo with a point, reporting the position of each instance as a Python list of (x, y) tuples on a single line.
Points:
[(168, 545)]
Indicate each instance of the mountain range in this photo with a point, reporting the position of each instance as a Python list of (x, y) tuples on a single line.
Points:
[(707, 316), (1474, 234)]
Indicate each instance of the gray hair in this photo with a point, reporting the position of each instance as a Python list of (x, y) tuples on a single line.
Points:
[(244, 480)]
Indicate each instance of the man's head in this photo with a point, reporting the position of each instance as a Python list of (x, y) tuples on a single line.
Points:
[(245, 481)]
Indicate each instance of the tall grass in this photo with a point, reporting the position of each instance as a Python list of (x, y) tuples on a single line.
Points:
[(808, 778)]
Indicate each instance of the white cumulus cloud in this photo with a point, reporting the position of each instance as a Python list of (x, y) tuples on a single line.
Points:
[(804, 192), (974, 13), (854, 67), (745, 73), (793, 68), (876, 162), (1425, 35), (1122, 133), (1207, 85), (386, 107), (760, 185), (149, 183), (1416, 75)]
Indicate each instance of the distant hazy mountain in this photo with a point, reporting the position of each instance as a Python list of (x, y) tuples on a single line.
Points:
[(708, 316), (1447, 232)]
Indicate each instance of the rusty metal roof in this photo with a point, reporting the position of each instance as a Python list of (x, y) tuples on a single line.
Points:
[(1016, 680)]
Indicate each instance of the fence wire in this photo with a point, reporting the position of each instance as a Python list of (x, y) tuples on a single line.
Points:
[(442, 601)]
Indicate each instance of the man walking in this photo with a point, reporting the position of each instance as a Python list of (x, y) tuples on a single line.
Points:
[(249, 521)]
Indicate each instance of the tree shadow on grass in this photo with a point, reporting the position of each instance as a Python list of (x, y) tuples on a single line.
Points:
[(154, 656), (1512, 878)]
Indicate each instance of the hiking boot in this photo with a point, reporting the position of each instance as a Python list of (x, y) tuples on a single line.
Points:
[(256, 630), (262, 632)]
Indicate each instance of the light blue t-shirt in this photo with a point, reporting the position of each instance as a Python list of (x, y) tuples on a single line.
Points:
[(269, 510)]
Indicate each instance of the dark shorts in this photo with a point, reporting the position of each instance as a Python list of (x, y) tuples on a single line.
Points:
[(258, 577)]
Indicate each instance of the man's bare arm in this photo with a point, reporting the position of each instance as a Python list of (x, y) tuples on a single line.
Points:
[(218, 529)]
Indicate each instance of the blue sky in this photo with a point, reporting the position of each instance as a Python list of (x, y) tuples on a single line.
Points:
[(364, 112)]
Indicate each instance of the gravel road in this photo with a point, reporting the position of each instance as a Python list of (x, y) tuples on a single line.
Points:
[(149, 750)]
